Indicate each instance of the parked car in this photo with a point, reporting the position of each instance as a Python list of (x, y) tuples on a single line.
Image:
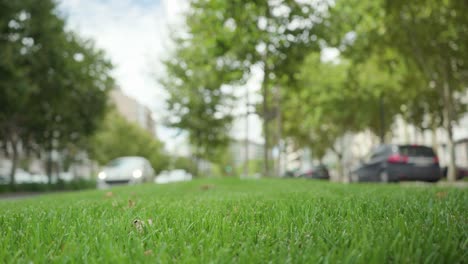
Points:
[(22, 176), (289, 174), (461, 172), (392, 163), (126, 170), (316, 172)]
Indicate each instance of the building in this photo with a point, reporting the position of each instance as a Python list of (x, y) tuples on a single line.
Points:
[(133, 111), (238, 151), (408, 134)]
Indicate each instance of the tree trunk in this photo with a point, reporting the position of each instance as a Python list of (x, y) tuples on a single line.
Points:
[(448, 117), (247, 113), (197, 165), (14, 163), (266, 156), (279, 130), (406, 132), (435, 144), (58, 168), (382, 119), (339, 166), (49, 165)]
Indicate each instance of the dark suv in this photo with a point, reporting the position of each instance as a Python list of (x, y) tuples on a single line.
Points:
[(391, 163)]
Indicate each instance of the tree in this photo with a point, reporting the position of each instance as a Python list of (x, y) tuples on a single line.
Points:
[(337, 98), (117, 137), (267, 35), (54, 85), (327, 104), (196, 101), (426, 36), (80, 93)]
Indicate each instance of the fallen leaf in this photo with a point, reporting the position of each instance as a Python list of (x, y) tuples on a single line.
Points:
[(207, 187), (109, 194), (441, 195), (148, 252), (138, 224), (131, 203)]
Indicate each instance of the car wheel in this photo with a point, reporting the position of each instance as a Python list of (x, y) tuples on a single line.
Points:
[(383, 176)]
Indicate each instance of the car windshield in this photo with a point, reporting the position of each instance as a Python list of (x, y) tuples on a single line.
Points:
[(123, 162), (416, 151)]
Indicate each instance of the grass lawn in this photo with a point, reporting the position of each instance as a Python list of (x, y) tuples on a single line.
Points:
[(225, 221)]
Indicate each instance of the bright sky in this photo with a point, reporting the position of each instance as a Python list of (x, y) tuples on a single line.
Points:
[(135, 36)]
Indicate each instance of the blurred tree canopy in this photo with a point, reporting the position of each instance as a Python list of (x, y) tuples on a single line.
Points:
[(420, 44), (228, 39), (54, 84), (395, 58), (195, 102)]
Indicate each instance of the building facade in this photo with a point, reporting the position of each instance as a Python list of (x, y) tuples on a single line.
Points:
[(133, 111)]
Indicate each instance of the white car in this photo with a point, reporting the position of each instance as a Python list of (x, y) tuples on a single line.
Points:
[(126, 170), (173, 176), (22, 176)]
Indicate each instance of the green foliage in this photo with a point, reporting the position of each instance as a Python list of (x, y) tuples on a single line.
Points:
[(117, 137), (54, 84), (320, 94), (74, 185), (396, 53), (424, 39), (226, 39), (255, 167), (421, 38), (240, 221), (336, 98), (196, 103)]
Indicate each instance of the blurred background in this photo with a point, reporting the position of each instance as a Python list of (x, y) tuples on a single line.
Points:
[(342, 90)]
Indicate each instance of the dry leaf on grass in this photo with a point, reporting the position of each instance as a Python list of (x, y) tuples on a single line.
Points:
[(131, 203), (148, 252), (207, 187), (138, 224), (109, 194), (441, 194)]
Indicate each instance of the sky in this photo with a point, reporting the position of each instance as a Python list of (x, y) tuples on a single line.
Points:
[(135, 36)]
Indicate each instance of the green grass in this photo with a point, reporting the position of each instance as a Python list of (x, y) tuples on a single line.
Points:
[(277, 221)]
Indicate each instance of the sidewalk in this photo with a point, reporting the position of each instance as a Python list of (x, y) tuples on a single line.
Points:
[(457, 184), (20, 195)]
